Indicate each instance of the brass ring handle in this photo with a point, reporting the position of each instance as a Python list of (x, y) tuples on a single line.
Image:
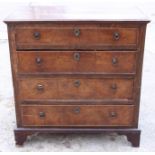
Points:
[(114, 86), (38, 60), (76, 110), (40, 87), (113, 114), (116, 36), (42, 114), (77, 32), (36, 35), (77, 56), (114, 60), (77, 83)]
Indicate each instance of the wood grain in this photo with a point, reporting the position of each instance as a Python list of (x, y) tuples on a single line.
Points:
[(56, 37), (67, 88), (89, 61), (68, 115), (76, 66)]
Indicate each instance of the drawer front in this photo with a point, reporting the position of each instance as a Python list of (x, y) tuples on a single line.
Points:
[(75, 62), (75, 88), (77, 115), (79, 37)]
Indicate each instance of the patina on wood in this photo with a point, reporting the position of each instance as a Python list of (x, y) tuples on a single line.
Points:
[(76, 70)]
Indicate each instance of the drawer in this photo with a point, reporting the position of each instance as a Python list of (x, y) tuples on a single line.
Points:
[(74, 62), (77, 115), (75, 88), (75, 37)]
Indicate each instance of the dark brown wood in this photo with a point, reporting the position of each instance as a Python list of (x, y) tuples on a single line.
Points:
[(20, 137), (78, 73), (133, 135), (134, 138)]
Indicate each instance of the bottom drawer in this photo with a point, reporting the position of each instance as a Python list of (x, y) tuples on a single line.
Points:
[(77, 115)]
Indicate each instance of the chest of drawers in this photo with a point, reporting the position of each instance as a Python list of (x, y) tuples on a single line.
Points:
[(75, 74)]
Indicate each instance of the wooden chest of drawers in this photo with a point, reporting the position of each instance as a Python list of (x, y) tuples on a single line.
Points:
[(75, 74)]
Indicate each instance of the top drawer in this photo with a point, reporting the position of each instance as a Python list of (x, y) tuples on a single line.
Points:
[(75, 37)]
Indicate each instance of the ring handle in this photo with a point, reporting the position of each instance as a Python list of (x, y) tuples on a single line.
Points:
[(116, 35), (37, 35), (77, 32)]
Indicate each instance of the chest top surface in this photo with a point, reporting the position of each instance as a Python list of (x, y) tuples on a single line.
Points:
[(76, 12)]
